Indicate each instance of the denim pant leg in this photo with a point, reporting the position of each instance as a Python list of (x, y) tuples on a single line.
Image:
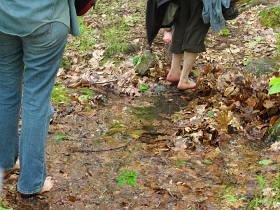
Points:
[(42, 54), (11, 72)]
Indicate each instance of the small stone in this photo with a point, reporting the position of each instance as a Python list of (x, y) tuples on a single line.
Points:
[(262, 66), (147, 61), (131, 47)]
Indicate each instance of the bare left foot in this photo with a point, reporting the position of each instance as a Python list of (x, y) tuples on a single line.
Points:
[(173, 75), (189, 84)]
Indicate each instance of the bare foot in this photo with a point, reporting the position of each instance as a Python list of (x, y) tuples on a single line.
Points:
[(167, 36), (173, 75), (186, 85), (16, 166), (48, 185)]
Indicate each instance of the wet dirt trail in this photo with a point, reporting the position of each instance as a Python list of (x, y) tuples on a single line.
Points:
[(141, 135), (194, 150)]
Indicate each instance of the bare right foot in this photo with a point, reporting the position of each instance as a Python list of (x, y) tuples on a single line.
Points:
[(48, 185), (173, 75)]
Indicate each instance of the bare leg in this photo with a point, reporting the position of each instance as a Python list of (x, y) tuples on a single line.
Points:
[(175, 71), (185, 83)]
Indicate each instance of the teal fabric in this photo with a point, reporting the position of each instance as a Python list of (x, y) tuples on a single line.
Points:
[(212, 13), (22, 17)]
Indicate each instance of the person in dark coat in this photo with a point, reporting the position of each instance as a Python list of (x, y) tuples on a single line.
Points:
[(190, 23), (187, 40)]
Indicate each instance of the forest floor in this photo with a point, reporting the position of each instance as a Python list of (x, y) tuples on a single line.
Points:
[(122, 141)]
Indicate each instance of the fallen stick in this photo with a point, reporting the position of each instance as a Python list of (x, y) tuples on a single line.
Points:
[(103, 150)]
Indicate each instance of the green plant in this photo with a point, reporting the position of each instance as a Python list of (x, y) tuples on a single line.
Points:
[(251, 44), (207, 162), (86, 40), (84, 97), (231, 198), (176, 116), (114, 45), (245, 63), (87, 95), (144, 87), (224, 32), (59, 94), (265, 162), (87, 92), (140, 4), (136, 60), (117, 125), (275, 86), (229, 64), (60, 137), (267, 194), (259, 38), (181, 162), (261, 181), (127, 177), (211, 114)]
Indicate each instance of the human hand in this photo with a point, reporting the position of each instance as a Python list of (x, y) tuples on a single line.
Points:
[(167, 36)]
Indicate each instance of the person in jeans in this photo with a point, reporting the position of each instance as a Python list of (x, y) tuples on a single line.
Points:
[(33, 35)]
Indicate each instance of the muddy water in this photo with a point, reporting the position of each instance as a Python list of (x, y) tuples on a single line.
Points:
[(138, 135)]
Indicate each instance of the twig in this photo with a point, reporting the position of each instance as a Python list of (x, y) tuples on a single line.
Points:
[(80, 83), (104, 82), (103, 150)]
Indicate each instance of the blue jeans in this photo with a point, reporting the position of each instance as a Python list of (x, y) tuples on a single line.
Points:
[(28, 67)]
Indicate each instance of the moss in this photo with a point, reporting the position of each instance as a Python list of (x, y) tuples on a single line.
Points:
[(270, 17)]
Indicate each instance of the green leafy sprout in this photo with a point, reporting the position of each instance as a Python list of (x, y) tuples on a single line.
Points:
[(245, 63), (59, 94), (207, 162), (136, 60), (144, 87), (211, 114), (60, 137), (176, 116), (275, 86), (128, 177), (181, 162), (224, 32), (261, 199), (265, 162)]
